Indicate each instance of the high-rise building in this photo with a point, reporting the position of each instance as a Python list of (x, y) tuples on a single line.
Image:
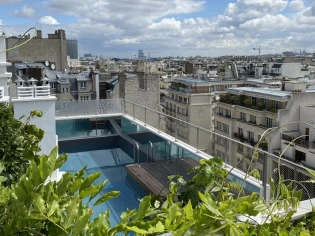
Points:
[(141, 55), (72, 48)]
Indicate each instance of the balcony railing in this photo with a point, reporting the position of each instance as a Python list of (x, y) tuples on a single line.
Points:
[(1, 92), (299, 141), (36, 91)]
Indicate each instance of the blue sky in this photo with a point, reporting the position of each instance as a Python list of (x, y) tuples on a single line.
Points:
[(118, 28)]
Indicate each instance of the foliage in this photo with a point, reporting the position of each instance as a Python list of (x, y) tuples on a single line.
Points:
[(36, 206), (261, 106), (248, 102), (19, 143)]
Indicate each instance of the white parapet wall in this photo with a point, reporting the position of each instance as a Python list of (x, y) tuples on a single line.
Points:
[(23, 107)]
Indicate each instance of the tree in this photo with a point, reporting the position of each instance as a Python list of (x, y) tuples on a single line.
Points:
[(19, 143)]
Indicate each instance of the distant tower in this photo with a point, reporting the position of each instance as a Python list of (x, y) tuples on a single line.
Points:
[(141, 55)]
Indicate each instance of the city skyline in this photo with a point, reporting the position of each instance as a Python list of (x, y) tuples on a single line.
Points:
[(169, 28)]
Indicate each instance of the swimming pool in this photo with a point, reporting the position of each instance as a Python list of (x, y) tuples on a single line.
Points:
[(104, 161)]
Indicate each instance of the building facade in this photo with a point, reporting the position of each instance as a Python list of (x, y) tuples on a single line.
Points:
[(52, 49)]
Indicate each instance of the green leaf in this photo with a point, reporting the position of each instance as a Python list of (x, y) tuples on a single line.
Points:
[(77, 184), (189, 211), (34, 171), (145, 204), (81, 224), (52, 157), (89, 180), (60, 161), (39, 202), (44, 168), (3, 179), (37, 217), (261, 208), (100, 188), (71, 212), (106, 197), (88, 191), (52, 208)]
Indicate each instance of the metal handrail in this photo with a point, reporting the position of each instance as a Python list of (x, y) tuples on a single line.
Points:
[(136, 146), (150, 147)]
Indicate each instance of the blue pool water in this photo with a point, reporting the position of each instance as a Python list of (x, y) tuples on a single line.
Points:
[(104, 161)]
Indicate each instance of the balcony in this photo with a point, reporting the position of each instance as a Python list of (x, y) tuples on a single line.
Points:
[(299, 141), (194, 90), (33, 92), (1, 92), (233, 100), (223, 115)]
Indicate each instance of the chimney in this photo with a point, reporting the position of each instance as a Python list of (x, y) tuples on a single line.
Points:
[(122, 82)]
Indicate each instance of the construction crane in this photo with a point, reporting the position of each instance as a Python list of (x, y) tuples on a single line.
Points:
[(149, 54), (258, 49)]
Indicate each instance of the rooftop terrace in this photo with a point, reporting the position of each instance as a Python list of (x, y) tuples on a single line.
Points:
[(202, 145)]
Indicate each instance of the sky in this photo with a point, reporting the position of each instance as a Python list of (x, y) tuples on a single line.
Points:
[(119, 28)]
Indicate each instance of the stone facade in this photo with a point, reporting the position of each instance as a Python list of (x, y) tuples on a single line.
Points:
[(38, 49)]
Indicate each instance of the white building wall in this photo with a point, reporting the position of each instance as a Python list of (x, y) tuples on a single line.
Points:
[(292, 70), (23, 107)]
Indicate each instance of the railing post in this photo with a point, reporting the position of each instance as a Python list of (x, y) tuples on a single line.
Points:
[(265, 177), (145, 116), (159, 125), (175, 130), (197, 140)]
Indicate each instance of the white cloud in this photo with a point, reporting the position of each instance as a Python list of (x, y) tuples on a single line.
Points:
[(297, 5), (268, 22), (245, 9), (26, 11), (119, 28), (48, 20)]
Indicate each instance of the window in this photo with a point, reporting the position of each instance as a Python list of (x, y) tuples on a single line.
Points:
[(67, 90), (276, 105), (222, 141), (84, 98), (250, 136), (252, 119), (220, 111), (254, 101), (243, 116), (83, 84), (219, 125), (264, 101), (222, 127), (63, 90), (228, 113), (53, 85), (240, 132), (269, 122), (216, 87)]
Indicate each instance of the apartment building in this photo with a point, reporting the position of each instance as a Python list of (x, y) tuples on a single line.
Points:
[(189, 100), (245, 113)]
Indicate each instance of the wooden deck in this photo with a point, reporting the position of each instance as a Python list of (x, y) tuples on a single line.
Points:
[(153, 177)]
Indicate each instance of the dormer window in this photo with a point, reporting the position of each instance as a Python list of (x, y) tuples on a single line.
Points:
[(21, 83), (83, 84), (53, 85)]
